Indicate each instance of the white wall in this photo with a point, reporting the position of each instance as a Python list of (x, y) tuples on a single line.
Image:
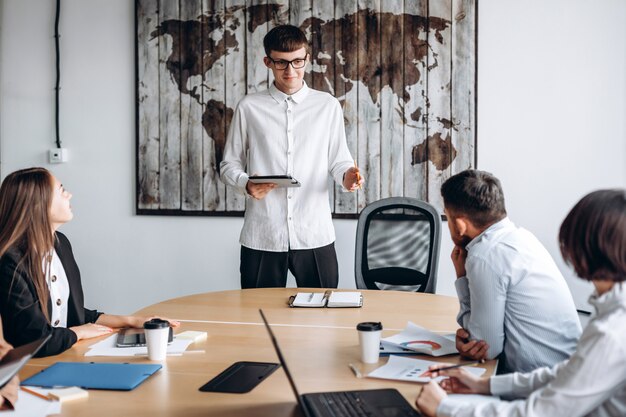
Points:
[(551, 105)]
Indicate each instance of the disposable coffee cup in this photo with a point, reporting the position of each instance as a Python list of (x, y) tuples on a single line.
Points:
[(157, 332), (369, 340)]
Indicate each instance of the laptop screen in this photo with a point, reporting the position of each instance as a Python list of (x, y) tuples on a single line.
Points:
[(283, 363), (16, 358)]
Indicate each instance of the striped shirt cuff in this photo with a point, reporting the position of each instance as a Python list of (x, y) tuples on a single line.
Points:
[(462, 288)]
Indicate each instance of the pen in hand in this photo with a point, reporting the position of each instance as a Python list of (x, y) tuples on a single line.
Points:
[(454, 366)]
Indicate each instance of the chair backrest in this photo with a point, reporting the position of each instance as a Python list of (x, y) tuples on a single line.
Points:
[(397, 245)]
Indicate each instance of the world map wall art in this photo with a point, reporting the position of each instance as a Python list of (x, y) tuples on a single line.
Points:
[(404, 72)]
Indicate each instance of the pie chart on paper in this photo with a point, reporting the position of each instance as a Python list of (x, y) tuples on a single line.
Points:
[(415, 344)]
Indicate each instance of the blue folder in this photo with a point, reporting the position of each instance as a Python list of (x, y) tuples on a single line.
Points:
[(91, 375)]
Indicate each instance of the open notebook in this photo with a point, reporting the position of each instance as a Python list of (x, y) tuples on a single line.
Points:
[(327, 299)]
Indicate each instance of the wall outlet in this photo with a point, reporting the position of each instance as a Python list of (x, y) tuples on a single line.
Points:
[(58, 155)]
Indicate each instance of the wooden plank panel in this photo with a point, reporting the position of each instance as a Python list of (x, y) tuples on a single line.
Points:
[(408, 137), (148, 106), (322, 40), (392, 79), (235, 80), (191, 105), (256, 28), (169, 105), (280, 14), (439, 99), (346, 90), (463, 83), (415, 100), (369, 66), (215, 44), (299, 12)]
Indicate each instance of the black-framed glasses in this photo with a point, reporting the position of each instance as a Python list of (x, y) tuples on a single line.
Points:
[(281, 64)]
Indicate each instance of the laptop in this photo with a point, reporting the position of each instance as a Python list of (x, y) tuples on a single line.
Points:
[(16, 358), (375, 402)]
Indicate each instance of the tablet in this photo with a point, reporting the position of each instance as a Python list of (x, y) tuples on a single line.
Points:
[(136, 338), (280, 180), (240, 377), (16, 358)]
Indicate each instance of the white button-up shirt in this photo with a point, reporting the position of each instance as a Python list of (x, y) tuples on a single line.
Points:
[(59, 290), (302, 135), (515, 298)]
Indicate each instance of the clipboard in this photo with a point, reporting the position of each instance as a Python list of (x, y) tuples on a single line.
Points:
[(92, 375), (280, 180)]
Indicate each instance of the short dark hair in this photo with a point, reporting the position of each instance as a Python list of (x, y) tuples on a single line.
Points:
[(593, 236), (475, 194), (285, 38)]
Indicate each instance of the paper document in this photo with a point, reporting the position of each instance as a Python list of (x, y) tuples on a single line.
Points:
[(421, 340), (29, 405), (107, 347), (387, 348), (344, 299), (401, 368), (310, 299)]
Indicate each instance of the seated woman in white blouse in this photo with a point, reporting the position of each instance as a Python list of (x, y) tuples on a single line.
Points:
[(592, 382), (40, 285)]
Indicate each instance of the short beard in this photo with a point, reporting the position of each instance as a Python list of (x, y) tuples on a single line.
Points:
[(461, 241)]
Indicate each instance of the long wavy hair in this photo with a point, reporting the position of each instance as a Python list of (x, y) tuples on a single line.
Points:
[(25, 200)]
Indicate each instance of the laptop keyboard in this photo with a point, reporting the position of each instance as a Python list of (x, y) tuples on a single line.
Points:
[(350, 404), (344, 404)]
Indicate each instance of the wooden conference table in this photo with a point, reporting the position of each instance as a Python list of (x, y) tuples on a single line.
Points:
[(318, 344)]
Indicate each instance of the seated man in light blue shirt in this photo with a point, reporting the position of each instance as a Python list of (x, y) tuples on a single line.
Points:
[(514, 302)]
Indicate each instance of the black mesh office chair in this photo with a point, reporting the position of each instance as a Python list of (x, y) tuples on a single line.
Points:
[(397, 245)]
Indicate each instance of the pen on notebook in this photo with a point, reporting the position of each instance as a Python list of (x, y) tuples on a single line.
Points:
[(356, 372), (455, 366), (35, 393), (311, 297)]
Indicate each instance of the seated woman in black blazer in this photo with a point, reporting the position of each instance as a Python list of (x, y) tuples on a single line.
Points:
[(40, 286)]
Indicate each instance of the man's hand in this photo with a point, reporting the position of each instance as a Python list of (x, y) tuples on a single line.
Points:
[(472, 349), (352, 179), (459, 255), (259, 191)]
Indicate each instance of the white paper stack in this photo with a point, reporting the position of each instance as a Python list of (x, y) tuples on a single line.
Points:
[(407, 369), (421, 340), (107, 347)]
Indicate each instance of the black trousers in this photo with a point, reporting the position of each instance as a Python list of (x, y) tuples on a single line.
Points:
[(315, 268)]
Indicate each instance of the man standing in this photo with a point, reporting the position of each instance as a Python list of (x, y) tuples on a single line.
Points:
[(514, 301), (295, 130)]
